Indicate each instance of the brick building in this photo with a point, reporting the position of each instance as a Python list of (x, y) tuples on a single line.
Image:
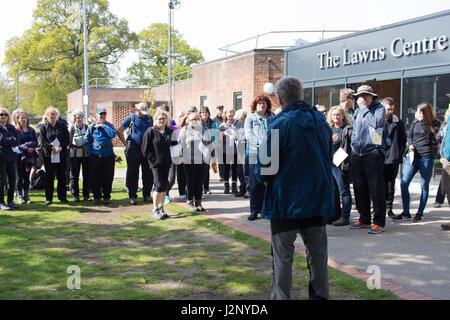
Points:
[(233, 81), (118, 102)]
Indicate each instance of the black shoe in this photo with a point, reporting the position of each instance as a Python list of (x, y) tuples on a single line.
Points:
[(133, 201), (106, 201), (391, 214), (445, 226), (234, 189), (418, 217), (239, 194), (48, 202), (402, 216), (341, 222), (64, 201), (247, 195), (76, 199), (227, 188), (252, 217), (148, 199), (96, 201)]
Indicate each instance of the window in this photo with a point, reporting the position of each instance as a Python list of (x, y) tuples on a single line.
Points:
[(327, 96), (307, 93), (203, 101), (237, 100), (442, 100), (416, 91)]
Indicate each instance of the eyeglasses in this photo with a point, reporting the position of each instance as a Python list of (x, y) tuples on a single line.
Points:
[(4, 115), (103, 113)]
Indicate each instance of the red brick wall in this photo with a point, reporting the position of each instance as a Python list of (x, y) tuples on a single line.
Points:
[(219, 79)]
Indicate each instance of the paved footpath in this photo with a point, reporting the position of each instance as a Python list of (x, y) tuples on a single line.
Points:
[(413, 258)]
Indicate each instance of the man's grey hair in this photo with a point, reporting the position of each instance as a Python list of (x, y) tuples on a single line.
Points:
[(77, 113), (289, 90)]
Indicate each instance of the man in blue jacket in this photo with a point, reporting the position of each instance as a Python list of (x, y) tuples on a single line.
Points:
[(101, 157), (368, 144), (299, 197)]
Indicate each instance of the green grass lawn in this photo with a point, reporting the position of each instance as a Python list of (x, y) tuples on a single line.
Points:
[(123, 253)]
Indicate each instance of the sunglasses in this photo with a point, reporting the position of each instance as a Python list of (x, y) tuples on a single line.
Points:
[(4, 115), (103, 113)]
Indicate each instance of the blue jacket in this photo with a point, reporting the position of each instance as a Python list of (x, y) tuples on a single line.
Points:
[(99, 141), (256, 131), (9, 138), (302, 187), (363, 120), (447, 141)]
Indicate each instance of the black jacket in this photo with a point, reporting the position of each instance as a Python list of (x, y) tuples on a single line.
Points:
[(48, 134), (345, 144), (395, 141), (9, 138), (423, 139), (156, 147)]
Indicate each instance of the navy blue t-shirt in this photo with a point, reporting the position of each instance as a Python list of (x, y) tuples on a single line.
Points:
[(138, 129)]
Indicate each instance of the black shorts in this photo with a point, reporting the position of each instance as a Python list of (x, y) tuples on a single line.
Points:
[(161, 178)]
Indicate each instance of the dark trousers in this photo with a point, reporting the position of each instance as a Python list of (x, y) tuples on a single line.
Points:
[(161, 178), (230, 165), (23, 178), (58, 170), (368, 184), (135, 159), (257, 190), (221, 170), (244, 176), (181, 179), (102, 176), (172, 177), (440, 195), (7, 178), (206, 180), (76, 165), (390, 174), (283, 249), (195, 173)]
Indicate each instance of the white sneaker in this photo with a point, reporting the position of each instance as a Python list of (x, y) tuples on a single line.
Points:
[(4, 207), (163, 213), (157, 214)]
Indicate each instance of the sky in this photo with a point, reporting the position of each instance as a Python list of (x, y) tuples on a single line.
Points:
[(211, 24)]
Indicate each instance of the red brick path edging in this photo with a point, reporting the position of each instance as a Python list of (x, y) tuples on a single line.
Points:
[(396, 289)]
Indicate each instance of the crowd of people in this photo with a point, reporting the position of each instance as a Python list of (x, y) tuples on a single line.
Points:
[(369, 145), (315, 151)]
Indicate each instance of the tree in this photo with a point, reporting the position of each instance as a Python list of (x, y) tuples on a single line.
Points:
[(151, 46), (51, 52)]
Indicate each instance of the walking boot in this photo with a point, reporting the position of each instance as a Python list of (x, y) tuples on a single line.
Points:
[(234, 189), (190, 206), (198, 206), (227, 188)]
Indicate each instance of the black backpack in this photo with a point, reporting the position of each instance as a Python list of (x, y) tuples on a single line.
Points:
[(38, 181)]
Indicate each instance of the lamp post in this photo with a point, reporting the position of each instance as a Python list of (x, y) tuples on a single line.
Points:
[(173, 4), (86, 67)]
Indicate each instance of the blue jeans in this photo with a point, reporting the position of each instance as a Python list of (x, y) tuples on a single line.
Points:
[(425, 167), (342, 179)]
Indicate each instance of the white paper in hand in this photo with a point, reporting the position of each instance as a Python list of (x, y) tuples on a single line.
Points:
[(339, 156), (55, 157), (411, 157)]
